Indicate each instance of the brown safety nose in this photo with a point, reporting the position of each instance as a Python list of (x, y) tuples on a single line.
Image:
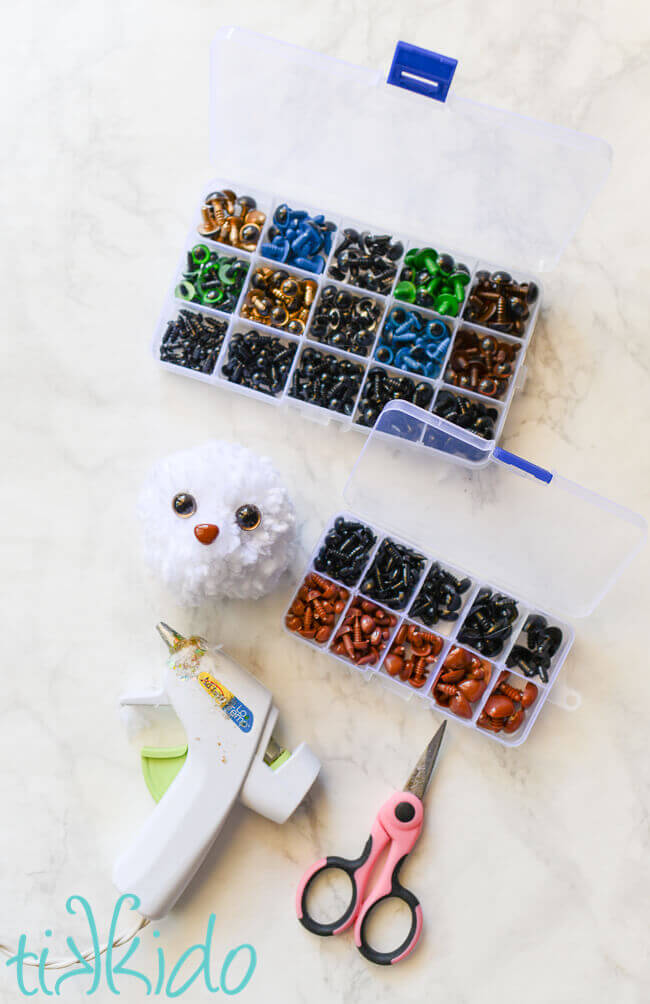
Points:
[(206, 533)]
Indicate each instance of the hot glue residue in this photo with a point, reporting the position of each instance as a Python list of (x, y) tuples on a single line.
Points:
[(186, 662)]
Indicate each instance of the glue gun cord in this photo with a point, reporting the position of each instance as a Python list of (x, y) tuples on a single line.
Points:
[(73, 960)]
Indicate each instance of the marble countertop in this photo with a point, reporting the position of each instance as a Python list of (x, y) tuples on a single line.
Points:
[(533, 868)]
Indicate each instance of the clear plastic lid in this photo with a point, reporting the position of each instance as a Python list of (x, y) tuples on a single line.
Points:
[(519, 526), (478, 180)]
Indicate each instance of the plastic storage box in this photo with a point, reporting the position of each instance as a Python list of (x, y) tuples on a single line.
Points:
[(291, 126), (491, 517)]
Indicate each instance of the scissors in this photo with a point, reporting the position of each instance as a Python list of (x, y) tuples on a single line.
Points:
[(397, 826)]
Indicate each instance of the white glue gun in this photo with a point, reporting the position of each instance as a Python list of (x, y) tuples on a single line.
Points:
[(228, 718)]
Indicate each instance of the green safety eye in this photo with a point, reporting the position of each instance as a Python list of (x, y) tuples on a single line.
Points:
[(211, 295), (228, 272), (185, 290), (200, 254)]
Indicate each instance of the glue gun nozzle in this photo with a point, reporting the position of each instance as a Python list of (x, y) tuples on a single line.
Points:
[(172, 639)]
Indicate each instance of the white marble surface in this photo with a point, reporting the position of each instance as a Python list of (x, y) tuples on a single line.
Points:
[(533, 868)]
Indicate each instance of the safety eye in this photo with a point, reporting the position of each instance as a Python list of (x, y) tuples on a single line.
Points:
[(184, 504), (248, 517)]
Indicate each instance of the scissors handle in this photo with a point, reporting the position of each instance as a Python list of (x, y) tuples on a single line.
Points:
[(383, 891), (332, 863)]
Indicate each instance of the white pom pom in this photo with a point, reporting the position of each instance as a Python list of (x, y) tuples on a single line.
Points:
[(221, 477)]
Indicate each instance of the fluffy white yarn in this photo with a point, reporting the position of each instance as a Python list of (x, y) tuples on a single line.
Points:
[(243, 564)]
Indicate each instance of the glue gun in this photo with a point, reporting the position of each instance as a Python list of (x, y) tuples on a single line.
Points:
[(229, 719)]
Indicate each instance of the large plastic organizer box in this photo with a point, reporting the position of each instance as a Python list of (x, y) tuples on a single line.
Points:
[(385, 307), (488, 517), (294, 127)]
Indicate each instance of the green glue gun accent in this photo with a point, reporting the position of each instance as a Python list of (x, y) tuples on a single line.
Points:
[(161, 764)]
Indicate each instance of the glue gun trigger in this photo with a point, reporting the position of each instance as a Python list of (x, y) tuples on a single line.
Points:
[(153, 698)]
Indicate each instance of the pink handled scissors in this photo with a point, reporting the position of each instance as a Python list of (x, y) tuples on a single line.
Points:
[(398, 824)]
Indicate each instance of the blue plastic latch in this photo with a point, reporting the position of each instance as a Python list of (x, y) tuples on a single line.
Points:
[(422, 71), (524, 465)]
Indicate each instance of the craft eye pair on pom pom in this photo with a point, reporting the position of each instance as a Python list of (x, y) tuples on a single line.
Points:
[(217, 521), (247, 517)]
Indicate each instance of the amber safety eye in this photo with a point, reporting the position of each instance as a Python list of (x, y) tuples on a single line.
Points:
[(184, 504), (248, 517)]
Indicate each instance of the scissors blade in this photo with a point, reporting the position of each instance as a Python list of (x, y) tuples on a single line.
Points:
[(418, 782)]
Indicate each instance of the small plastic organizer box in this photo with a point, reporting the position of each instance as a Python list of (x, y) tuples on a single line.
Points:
[(354, 313), (448, 657), (295, 300), (468, 610)]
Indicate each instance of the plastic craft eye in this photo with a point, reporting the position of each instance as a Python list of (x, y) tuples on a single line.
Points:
[(248, 517), (184, 504)]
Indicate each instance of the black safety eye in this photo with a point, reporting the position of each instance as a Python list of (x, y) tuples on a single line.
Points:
[(248, 517), (184, 504)]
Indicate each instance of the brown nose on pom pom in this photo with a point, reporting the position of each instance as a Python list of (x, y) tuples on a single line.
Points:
[(206, 532)]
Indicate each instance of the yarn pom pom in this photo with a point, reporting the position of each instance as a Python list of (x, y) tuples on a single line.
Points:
[(199, 546)]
